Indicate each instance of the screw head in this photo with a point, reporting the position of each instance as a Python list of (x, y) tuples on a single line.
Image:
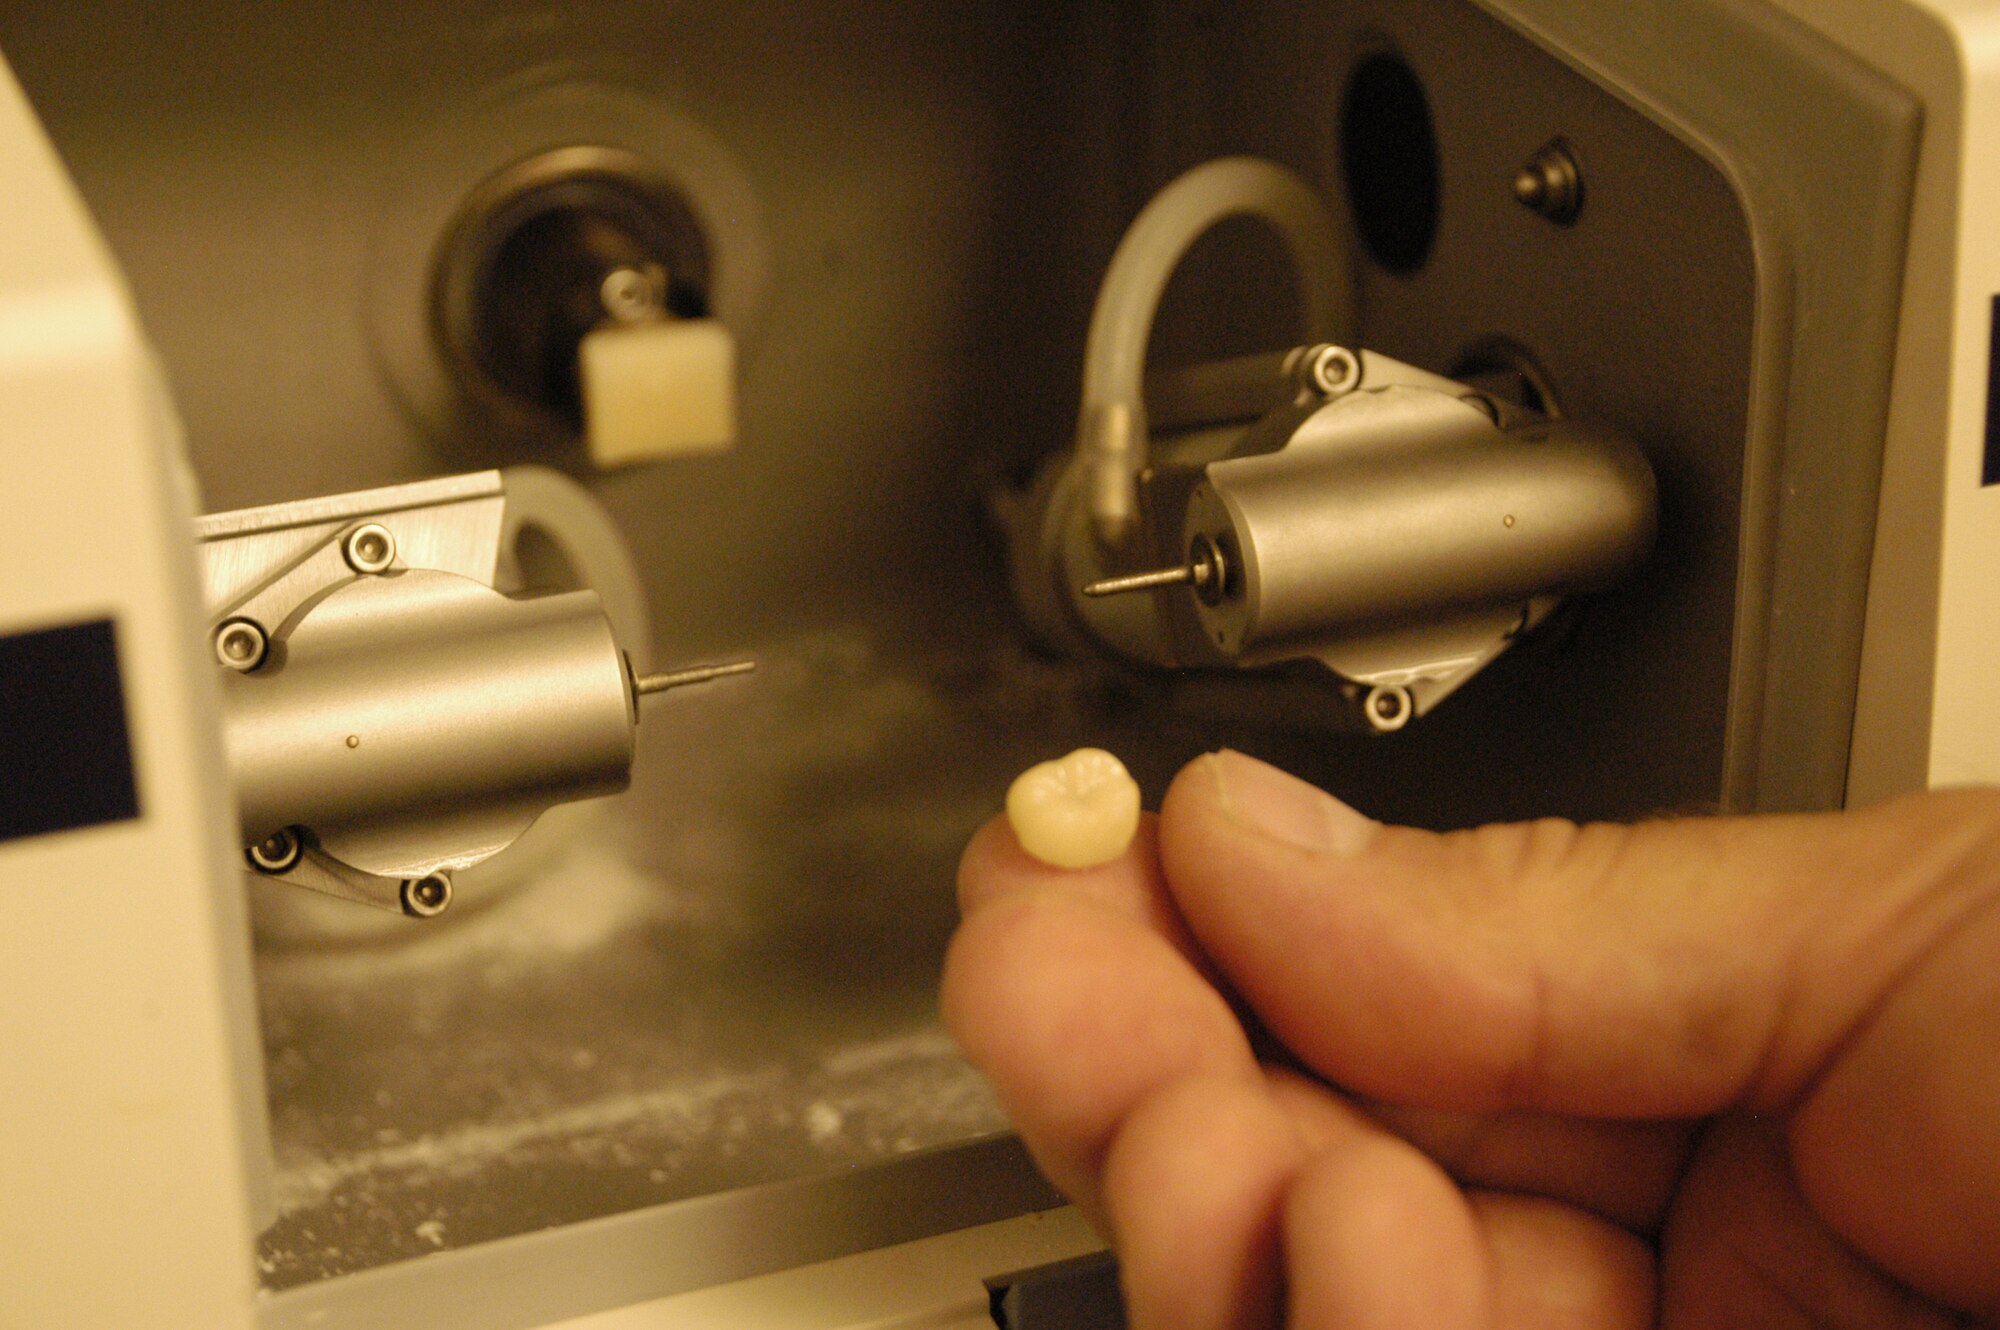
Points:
[(1551, 183), (1334, 370), (241, 644), (427, 897), (278, 853), (1388, 709), (369, 549)]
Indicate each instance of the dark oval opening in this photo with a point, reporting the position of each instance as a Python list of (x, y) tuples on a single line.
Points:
[(1389, 158)]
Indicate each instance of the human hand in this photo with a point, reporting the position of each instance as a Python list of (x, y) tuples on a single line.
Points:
[(1302, 1068)]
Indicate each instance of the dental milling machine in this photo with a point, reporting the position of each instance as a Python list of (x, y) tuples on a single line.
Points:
[(1489, 409)]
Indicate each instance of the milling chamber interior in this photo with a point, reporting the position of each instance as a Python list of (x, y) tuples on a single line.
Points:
[(730, 980)]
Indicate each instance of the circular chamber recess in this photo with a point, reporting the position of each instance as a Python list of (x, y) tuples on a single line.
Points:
[(425, 199), (546, 250), (1389, 160)]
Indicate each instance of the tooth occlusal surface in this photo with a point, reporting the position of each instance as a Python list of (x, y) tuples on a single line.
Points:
[(1075, 812)]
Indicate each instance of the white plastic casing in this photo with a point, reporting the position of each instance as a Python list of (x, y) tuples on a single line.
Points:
[(131, 1105), (1927, 714)]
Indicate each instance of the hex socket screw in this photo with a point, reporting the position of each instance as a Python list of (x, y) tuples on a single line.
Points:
[(241, 644), (369, 549), (1323, 370), (1388, 708), (427, 897), (1335, 370), (277, 853)]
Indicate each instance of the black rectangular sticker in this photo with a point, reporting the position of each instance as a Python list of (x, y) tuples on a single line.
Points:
[(1991, 474), (65, 751)]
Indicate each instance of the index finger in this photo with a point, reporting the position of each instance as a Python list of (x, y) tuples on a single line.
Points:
[(1075, 991)]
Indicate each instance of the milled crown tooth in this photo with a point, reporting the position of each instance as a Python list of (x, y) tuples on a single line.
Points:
[(1075, 812)]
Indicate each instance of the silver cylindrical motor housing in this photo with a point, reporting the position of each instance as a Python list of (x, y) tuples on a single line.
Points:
[(1399, 505), (402, 711)]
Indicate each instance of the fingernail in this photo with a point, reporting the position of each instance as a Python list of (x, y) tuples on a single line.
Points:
[(1285, 808)]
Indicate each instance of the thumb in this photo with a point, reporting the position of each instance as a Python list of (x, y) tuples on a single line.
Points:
[(1659, 970)]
